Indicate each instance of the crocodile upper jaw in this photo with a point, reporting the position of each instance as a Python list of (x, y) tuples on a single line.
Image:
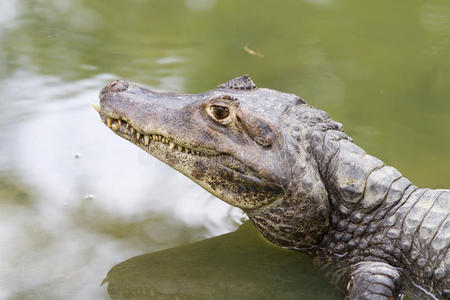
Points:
[(151, 121)]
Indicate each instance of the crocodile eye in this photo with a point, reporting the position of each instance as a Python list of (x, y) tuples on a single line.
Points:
[(220, 112)]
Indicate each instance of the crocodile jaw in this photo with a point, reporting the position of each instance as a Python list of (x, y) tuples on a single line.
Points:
[(218, 172)]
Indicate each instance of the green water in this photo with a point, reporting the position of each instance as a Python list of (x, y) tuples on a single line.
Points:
[(75, 200)]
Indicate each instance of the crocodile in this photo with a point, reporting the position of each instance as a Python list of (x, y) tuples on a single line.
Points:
[(301, 180)]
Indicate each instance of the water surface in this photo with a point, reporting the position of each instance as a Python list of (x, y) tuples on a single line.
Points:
[(76, 200)]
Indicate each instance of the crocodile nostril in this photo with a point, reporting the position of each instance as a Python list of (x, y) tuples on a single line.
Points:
[(118, 86)]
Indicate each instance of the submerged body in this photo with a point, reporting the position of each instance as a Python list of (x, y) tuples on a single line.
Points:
[(300, 179)]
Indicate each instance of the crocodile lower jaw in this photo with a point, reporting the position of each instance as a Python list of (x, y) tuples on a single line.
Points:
[(144, 140)]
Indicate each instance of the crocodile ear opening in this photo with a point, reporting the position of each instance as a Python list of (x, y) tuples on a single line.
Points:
[(257, 129)]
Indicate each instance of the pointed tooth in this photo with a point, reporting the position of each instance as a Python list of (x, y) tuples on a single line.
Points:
[(128, 125), (104, 281), (187, 150), (115, 126), (164, 140), (171, 146), (132, 130), (138, 135), (109, 122), (146, 140), (120, 122), (180, 148), (96, 107)]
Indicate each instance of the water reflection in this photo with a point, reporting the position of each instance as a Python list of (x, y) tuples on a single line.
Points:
[(238, 265), (75, 199), (47, 222)]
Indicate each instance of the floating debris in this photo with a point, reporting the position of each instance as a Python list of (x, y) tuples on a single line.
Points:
[(252, 52)]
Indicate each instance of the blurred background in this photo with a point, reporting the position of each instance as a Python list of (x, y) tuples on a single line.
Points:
[(75, 199)]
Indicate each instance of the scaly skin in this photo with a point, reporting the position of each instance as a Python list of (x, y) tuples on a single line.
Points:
[(300, 179)]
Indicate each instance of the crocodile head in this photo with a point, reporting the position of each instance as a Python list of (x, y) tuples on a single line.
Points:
[(234, 141)]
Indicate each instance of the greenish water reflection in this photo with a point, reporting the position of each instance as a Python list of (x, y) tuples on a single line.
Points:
[(76, 200), (237, 265)]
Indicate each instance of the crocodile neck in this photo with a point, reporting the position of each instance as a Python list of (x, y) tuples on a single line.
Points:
[(364, 194), (378, 215)]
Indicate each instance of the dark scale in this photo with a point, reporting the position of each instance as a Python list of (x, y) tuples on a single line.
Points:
[(367, 219), (363, 243), (337, 236), (393, 233), (376, 239), (372, 227), (359, 230), (351, 228), (346, 237), (342, 224), (340, 247), (388, 248), (356, 217), (239, 83), (352, 244)]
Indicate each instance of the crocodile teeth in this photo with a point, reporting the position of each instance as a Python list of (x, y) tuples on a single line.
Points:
[(115, 126), (96, 107)]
